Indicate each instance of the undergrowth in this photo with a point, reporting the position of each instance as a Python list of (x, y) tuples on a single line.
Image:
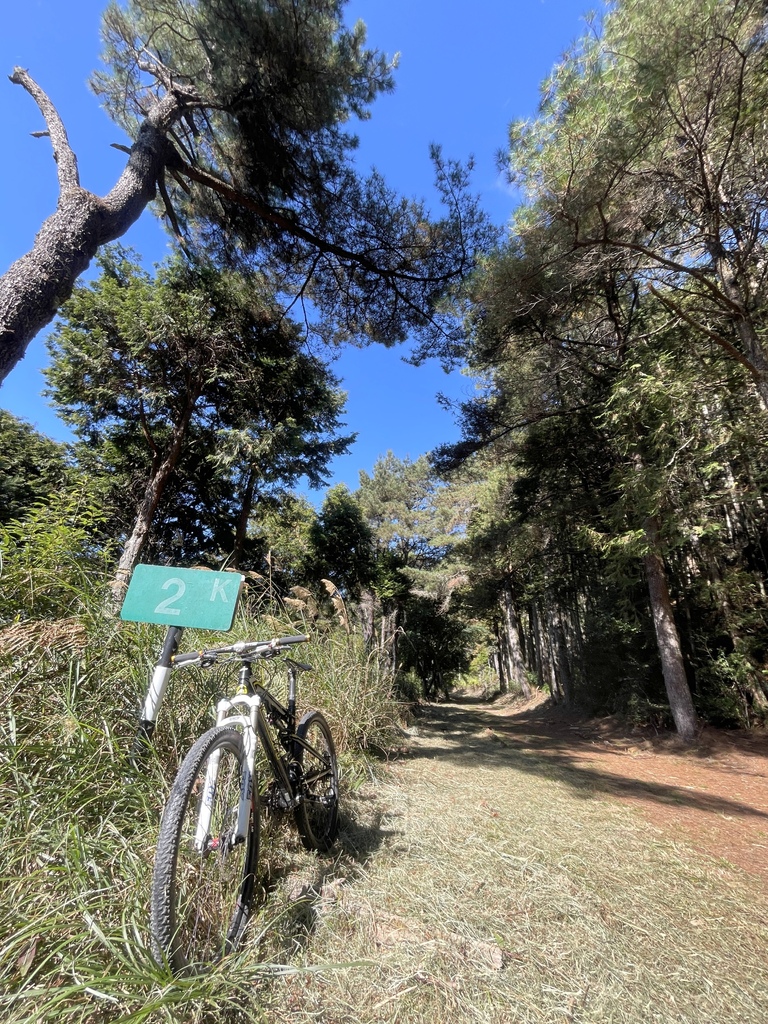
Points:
[(78, 822), (473, 882)]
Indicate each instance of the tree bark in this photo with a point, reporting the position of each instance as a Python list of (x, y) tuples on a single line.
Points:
[(33, 288), (560, 657), (153, 492), (241, 527), (515, 662), (537, 658), (499, 659), (388, 639), (367, 614), (667, 637)]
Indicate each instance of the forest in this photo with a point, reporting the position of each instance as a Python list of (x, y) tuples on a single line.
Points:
[(596, 538), (599, 531)]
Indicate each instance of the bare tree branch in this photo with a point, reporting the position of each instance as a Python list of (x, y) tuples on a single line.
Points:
[(63, 154)]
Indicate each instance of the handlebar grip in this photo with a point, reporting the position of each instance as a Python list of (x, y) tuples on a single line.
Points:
[(292, 640), (184, 659)]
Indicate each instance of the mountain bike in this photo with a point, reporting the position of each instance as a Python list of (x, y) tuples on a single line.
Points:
[(207, 853)]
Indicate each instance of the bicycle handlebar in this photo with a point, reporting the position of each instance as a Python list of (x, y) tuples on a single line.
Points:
[(254, 648)]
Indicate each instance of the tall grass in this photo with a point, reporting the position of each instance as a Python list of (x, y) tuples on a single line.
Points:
[(78, 823)]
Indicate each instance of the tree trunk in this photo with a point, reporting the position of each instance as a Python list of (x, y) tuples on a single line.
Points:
[(515, 662), (560, 656), (33, 288), (504, 659), (745, 328), (135, 543), (536, 645), (367, 613), (498, 658), (667, 637), (241, 527), (388, 639), (153, 492)]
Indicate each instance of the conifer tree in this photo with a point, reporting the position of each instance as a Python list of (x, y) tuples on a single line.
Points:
[(191, 386), (239, 115)]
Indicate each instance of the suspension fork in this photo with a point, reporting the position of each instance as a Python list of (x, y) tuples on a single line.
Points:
[(252, 702)]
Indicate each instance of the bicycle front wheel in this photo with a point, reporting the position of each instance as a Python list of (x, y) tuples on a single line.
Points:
[(204, 874), (317, 814)]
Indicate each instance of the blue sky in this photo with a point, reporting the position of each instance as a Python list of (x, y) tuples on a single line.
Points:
[(466, 71)]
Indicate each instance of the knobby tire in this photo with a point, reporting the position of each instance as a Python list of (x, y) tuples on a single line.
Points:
[(317, 814), (201, 900)]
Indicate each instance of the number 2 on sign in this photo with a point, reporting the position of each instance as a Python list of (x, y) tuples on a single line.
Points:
[(164, 608)]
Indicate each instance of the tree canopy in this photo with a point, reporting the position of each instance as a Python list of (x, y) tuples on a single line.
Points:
[(192, 393), (240, 115), (611, 333), (32, 466)]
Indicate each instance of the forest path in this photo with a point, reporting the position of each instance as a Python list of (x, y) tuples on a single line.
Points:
[(713, 794), (521, 864)]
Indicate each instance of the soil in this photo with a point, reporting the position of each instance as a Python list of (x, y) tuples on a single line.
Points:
[(712, 794)]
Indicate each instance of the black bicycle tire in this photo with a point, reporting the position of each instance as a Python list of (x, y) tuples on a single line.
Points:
[(317, 831), (167, 940)]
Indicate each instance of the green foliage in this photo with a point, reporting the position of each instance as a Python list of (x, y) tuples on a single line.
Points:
[(342, 543), (265, 96), (79, 835), (436, 646), (611, 335), (53, 559), (32, 466), (281, 528), (192, 387), (397, 501)]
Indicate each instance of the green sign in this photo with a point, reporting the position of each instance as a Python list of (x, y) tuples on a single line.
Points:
[(182, 597)]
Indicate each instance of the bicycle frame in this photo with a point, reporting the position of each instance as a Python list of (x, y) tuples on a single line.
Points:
[(253, 705), (161, 674), (255, 729)]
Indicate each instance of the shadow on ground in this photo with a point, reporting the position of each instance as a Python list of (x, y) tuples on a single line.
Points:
[(542, 741)]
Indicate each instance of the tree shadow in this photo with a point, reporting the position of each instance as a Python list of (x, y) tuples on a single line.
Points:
[(302, 886), (535, 743)]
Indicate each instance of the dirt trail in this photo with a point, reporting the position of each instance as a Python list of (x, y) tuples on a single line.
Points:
[(713, 795), (497, 875)]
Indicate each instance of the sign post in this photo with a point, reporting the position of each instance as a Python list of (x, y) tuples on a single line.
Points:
[(194, 598)]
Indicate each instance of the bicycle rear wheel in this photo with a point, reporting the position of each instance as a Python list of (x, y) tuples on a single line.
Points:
[(317, 814), (202, 890)]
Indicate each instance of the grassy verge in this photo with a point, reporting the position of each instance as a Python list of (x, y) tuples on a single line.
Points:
[(78, 824)]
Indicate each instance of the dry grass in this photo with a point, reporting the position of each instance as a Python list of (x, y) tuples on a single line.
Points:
[(78, 824), (488, 890)]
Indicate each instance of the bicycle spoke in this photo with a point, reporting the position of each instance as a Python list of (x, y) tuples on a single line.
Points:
[(317, 814)]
